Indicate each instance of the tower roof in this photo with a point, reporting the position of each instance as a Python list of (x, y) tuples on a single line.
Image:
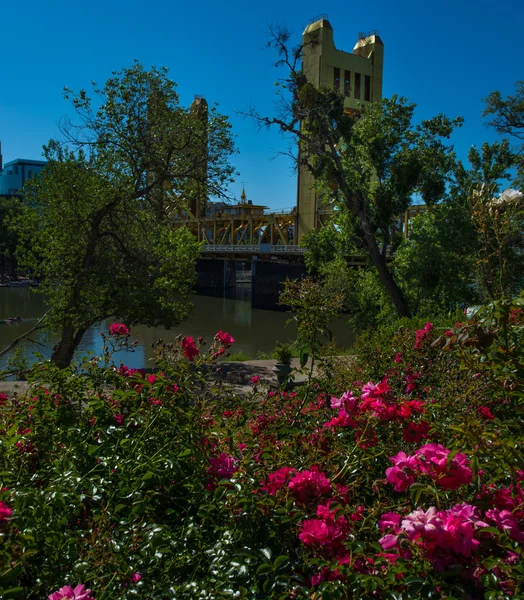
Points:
[(321, 23)]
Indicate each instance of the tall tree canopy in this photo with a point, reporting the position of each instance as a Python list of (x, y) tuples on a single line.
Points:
[(370, 161), (507, 118), (99, 216)]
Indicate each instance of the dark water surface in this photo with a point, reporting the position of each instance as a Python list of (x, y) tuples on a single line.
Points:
[(254, 330)]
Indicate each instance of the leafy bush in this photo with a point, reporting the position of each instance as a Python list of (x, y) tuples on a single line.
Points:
[(405, 484)]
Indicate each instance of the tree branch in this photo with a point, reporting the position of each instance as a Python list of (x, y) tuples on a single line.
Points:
[(15, 343)]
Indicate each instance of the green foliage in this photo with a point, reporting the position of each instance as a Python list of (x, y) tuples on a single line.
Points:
[(313, 307), (371, 160), (499, 223), (10, 208), (284, 353), (436, 265), (507, 117), (99, 217), (169, 476)]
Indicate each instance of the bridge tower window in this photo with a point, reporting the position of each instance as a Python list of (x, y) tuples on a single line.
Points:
[(336, 79), (347, 83), (357, 86)]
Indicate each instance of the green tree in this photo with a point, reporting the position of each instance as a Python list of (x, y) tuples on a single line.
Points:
[(436, 265), (9, 209), (507, 118), (372, 161), (99, 216)]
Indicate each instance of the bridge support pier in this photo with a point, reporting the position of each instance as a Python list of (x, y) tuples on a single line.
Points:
[(215, 274), (267, 280)]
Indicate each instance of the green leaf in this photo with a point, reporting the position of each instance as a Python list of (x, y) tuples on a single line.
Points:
[(91, 449), (266, 552), (219, 492), (264, 568), (17, 592), (303, 358), (280, 560)]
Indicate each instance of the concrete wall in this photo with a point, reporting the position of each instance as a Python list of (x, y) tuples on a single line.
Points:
[(267, 282), (215, 274)]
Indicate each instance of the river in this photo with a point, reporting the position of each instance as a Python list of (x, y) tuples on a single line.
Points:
[(254, 330)]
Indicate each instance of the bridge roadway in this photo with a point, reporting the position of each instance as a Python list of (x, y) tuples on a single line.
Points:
[(253, 251)]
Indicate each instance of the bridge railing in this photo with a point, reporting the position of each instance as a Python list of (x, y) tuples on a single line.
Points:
[(253, 249)]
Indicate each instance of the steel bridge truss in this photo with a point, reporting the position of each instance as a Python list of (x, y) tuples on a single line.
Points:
[(276, 229)]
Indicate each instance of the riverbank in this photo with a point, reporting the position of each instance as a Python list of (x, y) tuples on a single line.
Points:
[(254, 330), (235, 374)]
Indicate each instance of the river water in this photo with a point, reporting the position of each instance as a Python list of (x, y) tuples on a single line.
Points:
[(254, 330)]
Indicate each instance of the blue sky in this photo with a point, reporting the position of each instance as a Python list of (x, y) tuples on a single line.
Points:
[(445, 56)]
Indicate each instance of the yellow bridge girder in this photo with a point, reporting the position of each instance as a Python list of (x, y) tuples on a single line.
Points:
[(238, 230)]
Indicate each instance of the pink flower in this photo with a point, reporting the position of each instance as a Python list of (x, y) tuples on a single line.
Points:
[(255, 379), (368, 389), (5, 512), (422, 334), (503, 519), (69, 593), (388, 541), (189, 347), (314, 531), (223, 466), (390, 520), (485, 413), (439, 533), (135, 577), (277, 480), (342, 420), (324, 531), (3, 399), (398, 358), (347, 401), (309, 485), (409, 407), (428, 524), (414, 432), (401, 476), (433, 460), (379, 408), (224, 338), (118, 329)]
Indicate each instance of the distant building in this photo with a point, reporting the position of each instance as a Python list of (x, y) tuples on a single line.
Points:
[(14, 174), (357, 76), (245, 208)]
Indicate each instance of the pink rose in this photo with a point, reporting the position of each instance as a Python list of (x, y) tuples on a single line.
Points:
[(69, 593), (189, 347), (118, 329), (224, 338), (5, 512)]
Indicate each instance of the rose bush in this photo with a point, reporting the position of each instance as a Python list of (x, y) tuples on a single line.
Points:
[(400, 478)]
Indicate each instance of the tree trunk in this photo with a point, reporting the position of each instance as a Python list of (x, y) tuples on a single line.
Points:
[(64, 350), (358, 207), (395, 293)]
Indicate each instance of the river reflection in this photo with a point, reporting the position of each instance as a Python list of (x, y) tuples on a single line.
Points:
[(254, 330)]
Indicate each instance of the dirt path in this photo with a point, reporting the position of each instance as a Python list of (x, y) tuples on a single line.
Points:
[(237, 374)]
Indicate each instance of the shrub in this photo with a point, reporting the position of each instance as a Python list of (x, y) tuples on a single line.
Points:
[(402, 485)]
